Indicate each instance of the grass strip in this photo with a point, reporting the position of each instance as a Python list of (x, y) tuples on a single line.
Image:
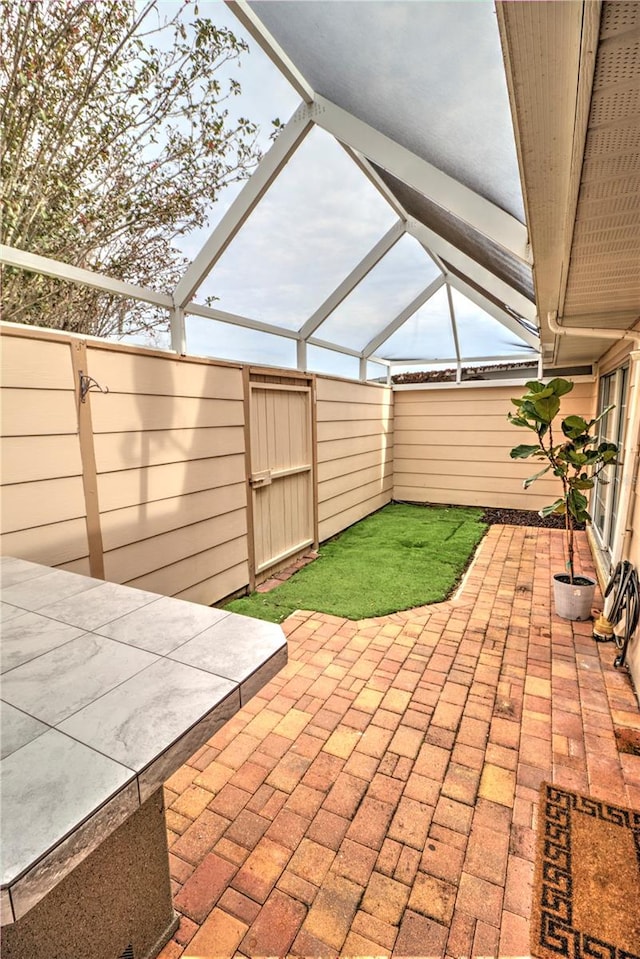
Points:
[(400, 557)]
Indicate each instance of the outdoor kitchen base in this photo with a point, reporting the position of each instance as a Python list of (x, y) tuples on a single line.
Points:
[(115, 905)]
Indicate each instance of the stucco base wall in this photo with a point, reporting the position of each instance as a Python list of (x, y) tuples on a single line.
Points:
[(116, 903)]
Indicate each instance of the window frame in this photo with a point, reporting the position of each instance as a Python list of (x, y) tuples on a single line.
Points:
[(605, 497)]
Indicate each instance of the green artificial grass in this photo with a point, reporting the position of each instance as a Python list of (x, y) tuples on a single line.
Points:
[(400, 557)]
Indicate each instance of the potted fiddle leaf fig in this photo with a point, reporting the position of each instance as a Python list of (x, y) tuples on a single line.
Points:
[(576, 459)]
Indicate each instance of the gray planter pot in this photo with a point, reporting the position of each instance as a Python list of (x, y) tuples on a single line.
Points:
[(573, 600)]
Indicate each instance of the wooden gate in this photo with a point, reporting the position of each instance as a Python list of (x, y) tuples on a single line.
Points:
[(282, 471)]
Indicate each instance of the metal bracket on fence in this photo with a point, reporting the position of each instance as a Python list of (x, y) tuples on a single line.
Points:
[(87, 384)]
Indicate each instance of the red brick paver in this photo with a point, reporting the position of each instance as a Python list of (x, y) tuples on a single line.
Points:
[(379, 796)]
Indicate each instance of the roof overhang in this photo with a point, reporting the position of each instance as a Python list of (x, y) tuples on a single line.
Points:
[(573, 71)]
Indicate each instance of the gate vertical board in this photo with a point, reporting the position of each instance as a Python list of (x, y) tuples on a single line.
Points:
[(281, 469)]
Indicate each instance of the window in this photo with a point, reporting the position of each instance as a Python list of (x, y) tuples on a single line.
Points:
[(606, 494)]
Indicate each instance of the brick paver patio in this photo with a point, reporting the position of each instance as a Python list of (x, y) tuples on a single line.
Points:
[(379, 796)]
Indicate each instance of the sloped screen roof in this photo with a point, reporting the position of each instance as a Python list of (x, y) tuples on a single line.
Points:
[(429, 75)]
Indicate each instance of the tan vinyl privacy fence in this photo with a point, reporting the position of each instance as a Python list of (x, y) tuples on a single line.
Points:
[(43, 503), (355, 452), (189, 475), (149, 484), (452, 446)]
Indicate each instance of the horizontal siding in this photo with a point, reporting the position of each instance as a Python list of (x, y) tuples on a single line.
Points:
[(52, 544), (348, 391), (147, 556), (209, 566), (163, 375), (133, 486), (230, 580), (170, 457), (80, 566), (38, 412), (42, 494), (115, 451), (379, 459), (122, 413), (27, 505), (329, 452), (453, 447), (328, 431), (355, 452), (359, 479), (165, 515), (340, 412), (36, 364), (29, 458)]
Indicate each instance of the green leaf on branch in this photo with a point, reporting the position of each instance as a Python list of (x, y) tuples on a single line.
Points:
[(560, 387), (583, 484), (574, 426), (531, 479), (546, 407), (602, 415), (576, 502), (576, 459), (519, 421), (554, 509), (523, 451)]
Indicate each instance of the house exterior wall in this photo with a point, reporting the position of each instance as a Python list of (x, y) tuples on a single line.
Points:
[(355, 438), (626, 543), (43, 504), (452, 446)]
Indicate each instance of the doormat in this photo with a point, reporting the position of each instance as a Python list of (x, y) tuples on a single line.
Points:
[(586, 886), (627, 740)]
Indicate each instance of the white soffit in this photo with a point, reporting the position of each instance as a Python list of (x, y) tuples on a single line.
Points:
[(574, 74), (604, 274), (429, 75)]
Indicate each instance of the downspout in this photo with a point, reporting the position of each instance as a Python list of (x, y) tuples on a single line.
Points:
[(634, 420)]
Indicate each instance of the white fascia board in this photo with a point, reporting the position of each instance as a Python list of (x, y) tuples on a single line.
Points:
[(402, 317), (265, 39), (436, 245), (483, 215), (340, 293), (11, 256), (254, 189), (235, 319), (501, 316)]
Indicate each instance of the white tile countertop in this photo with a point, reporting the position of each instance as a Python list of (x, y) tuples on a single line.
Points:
[(106, 691)]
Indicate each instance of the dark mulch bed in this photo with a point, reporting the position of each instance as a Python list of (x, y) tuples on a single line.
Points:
[(523, 517)]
